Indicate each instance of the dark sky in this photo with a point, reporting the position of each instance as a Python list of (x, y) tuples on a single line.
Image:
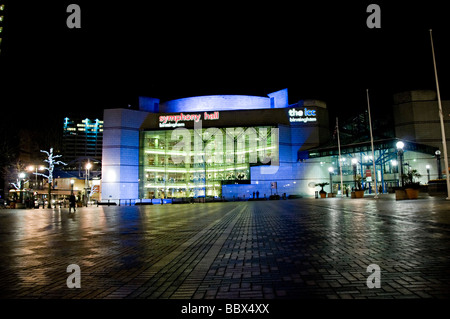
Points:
[(316, 49)]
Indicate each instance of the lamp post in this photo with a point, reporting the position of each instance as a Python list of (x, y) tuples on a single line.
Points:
[(441, 120), (330, 170), (354, 162), (400, 146), (32, 168), (428, 171), (438, 159), (86, 184), (394, 164)]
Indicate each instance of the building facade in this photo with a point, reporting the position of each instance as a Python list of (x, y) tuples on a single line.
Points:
[(229, 146), (82, 138), (414, 121), (416, 115), (239, 147)]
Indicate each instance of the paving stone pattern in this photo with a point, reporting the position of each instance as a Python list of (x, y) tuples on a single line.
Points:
[(303, 248)]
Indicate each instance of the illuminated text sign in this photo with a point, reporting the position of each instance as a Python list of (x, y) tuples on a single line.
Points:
[(178, 120), (304, 115)]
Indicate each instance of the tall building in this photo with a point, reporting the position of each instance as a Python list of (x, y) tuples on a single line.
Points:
[(82, 140), (416, 115)]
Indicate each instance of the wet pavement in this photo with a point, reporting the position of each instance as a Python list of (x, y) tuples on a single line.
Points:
[(302, 248)]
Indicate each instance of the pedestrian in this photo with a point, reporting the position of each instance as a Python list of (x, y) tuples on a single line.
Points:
[(253, 194), (257, 194), (72, 203)]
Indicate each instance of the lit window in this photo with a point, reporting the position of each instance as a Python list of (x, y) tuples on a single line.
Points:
[(2, 7), (1, 18), (1, 29)]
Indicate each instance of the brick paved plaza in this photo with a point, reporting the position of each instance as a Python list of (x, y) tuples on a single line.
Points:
[(302, 248)]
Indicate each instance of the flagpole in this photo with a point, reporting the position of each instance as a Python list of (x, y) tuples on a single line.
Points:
[(444, 142), (340, 162), (371, 143)]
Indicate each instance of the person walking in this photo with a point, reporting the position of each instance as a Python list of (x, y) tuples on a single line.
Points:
[(72, 203)]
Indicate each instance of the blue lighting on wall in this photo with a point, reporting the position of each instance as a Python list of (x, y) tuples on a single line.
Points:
[(211, 103)]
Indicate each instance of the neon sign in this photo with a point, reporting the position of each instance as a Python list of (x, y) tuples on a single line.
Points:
[(304, 115), (179, 119)]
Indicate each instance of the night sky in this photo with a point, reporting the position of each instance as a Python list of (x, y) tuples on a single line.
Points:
[(318, 50)]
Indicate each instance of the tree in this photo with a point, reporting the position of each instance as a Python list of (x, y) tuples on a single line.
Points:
[(322, 186), (51, 165), (410, 178)]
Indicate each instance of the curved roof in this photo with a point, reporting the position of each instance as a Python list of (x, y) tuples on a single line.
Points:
[(215, 103), (277, 99)]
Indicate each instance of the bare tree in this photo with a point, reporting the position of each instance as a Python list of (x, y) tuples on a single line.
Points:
[(51, 165)]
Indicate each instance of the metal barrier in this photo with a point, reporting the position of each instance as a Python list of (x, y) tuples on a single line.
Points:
[(156, 201), (134, 202)]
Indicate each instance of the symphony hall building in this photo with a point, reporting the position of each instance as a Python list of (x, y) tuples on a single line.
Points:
[(212, 146)]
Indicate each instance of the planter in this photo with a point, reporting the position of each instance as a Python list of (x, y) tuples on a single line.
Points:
[(437, 187), (412, 193), (359, 194), (331, 195), (400, 194), (323, 195)]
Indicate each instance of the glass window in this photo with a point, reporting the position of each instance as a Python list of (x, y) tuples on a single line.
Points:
[(163, 175)]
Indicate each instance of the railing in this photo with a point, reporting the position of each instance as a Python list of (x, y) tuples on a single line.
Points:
[(156, 201), (134, 202)]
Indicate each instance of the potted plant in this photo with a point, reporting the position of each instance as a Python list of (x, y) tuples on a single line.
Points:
[(359, 191), (411, 186), (322, 193)]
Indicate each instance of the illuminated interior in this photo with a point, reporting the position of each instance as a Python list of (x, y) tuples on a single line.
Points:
[(166, 171)]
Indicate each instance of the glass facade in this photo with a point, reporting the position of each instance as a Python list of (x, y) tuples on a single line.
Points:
[(205, 162), (359, 166)]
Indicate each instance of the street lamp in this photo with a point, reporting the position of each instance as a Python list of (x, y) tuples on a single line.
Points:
[(428, 171), (32, 168), (88, 167), (400, 146), (354, 162), (330, 170), (394, 164), (438, 159)]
